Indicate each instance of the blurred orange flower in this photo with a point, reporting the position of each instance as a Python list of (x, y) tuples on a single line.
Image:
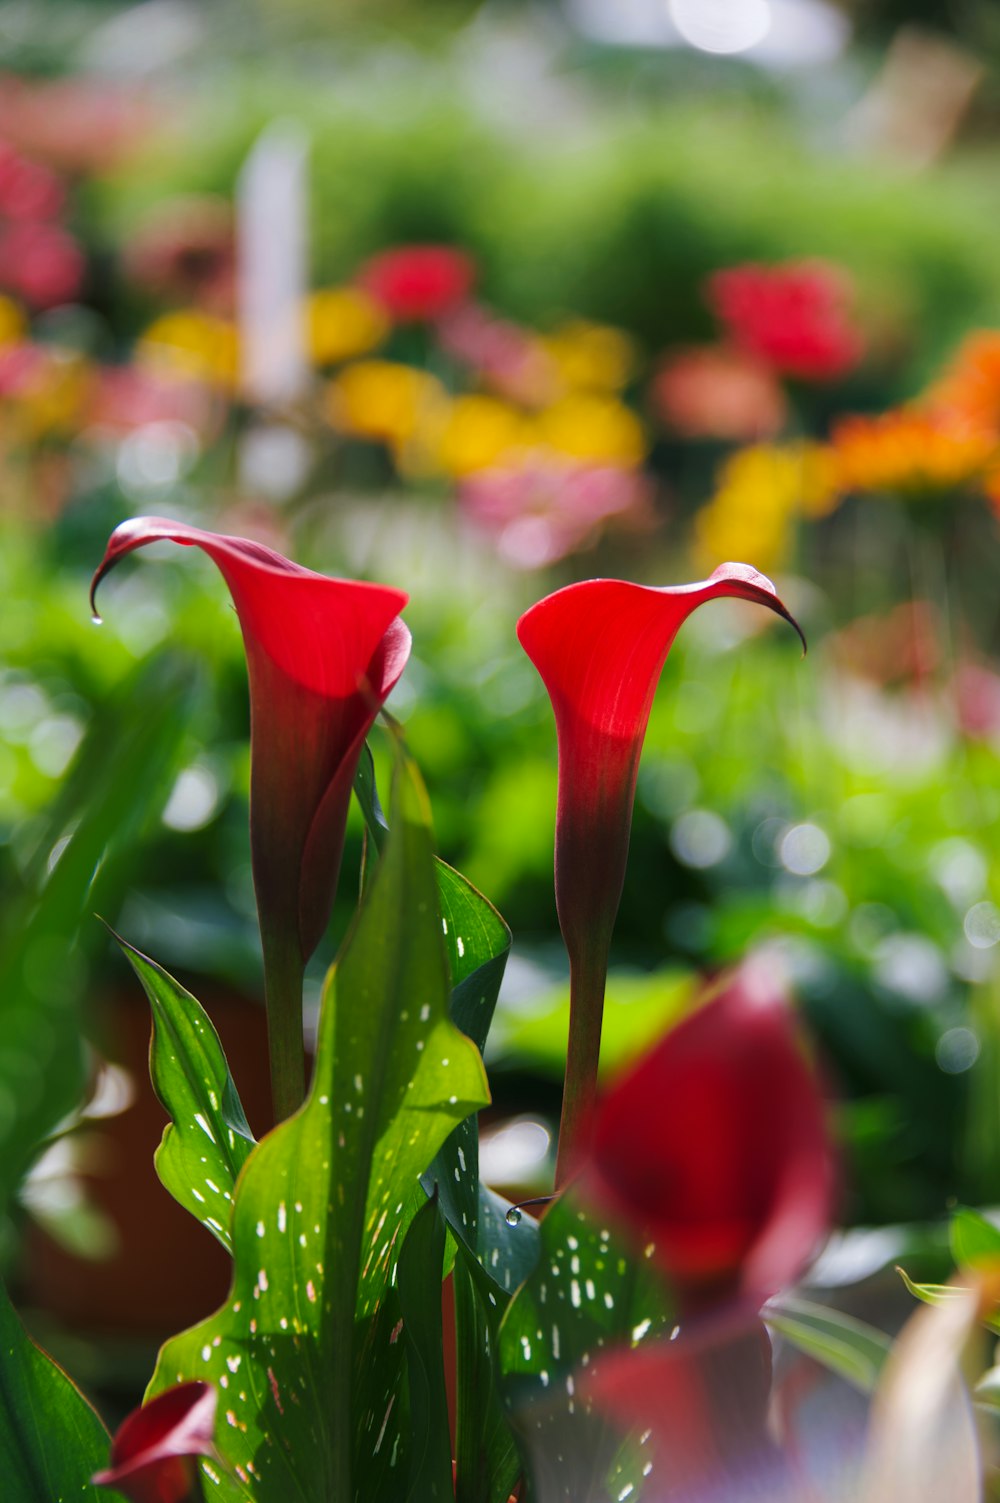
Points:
[(970, 385), (717, 392), (913, 452)]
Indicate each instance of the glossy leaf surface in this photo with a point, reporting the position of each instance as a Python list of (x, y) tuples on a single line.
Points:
[(324, 1200), (208, 1139), (51, 1440)]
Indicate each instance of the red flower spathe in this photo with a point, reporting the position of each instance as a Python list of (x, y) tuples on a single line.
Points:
[(600, 647), (715, 1147), (153, 1454), (322, 655)]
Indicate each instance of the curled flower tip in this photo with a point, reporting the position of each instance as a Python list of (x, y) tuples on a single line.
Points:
[(155, 1451)]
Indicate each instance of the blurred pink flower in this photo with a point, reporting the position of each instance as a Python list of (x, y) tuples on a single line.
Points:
[(717, 392), (73, 125), (128, 396), (27, 189), (542, 510), (795, 317), (185, 252), (507, 357), (418, 283)]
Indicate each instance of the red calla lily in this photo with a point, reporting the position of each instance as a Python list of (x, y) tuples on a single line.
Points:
[(322, 655), (600, 647), (715, 1148), (155, 1450)]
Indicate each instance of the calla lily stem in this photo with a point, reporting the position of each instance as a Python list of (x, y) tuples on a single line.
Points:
[(284, 970), (588, 978)]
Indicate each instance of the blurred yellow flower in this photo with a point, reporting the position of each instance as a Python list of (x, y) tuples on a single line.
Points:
[(389, 403), (13, 322), (481, 432), (760, 491), (593, 429), (46, 389), (591, 357), (342, 322), (910, 452), (194, 346)]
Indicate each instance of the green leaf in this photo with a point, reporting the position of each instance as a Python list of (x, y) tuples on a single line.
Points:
[(974, 1240), (51, 1440), (120, 778), (323, 1203), (932, 1294), (419, 1282), (946, 1294), (487, 1459), (848, 1347), (208, 1139), (589, 1291)]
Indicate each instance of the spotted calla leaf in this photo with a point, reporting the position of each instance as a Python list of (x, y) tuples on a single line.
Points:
[(478, 944), (208, 1139), (51, 1440), (589, 1293), (323, 1202), (420, 1264)]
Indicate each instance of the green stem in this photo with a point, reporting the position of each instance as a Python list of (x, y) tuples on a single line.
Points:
[(588, 974), (284, 970)]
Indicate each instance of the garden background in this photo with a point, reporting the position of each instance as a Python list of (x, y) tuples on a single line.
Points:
[(582, 290)]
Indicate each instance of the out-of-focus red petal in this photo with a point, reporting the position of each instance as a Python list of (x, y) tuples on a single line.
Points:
[(699, 1404), (715, 1148), (153, 1452), (323, 655), (600, 647)]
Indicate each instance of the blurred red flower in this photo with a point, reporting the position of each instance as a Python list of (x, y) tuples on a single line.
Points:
[(41, 262), (418, 283), (717, 392), (714, 1148), (795, 317), (154, 1452)]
